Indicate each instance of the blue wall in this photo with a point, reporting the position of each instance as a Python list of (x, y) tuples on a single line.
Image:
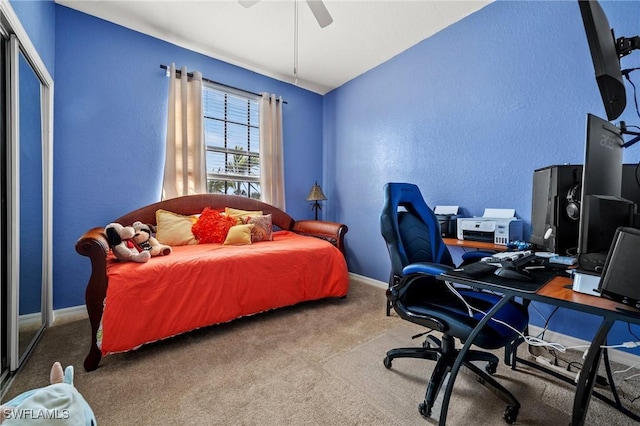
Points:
[(38, 19), (468, 115)]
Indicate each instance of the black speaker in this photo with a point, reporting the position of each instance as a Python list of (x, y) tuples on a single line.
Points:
[(601, 216), (555, 208), (621, 269)]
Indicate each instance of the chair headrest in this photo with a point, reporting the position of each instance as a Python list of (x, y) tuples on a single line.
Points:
[(407, 195)]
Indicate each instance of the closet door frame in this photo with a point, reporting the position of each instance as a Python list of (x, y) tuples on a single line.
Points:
[(21, 44)]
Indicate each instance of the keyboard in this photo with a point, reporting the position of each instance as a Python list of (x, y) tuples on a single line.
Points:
[(508, 255)]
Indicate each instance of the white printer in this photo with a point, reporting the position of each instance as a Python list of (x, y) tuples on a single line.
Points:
[(497, 226)]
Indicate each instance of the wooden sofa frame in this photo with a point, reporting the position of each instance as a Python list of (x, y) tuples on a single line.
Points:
[(94, 245)]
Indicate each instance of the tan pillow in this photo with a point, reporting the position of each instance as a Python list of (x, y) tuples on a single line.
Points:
[(174, 229), (239, 235), (263, 229), (240, 215)]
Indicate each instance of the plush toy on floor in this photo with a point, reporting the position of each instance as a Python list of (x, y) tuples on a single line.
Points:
[(60, 403), (120, 240), (144, 240)]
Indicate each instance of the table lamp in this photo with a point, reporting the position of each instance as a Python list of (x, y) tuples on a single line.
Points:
[(316, 195)]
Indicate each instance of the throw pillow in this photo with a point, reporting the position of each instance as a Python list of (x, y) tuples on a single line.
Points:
[(212, 226), (240, 215), (174, 229), (239, 235), (263, 228)]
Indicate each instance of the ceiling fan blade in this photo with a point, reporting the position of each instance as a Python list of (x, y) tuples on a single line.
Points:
[(320, 12), (248, 3)]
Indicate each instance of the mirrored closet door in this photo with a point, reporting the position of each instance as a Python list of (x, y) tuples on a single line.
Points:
[(26, 89)]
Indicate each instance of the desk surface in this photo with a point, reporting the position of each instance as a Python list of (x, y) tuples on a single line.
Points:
[(454, 242), (559, 291)]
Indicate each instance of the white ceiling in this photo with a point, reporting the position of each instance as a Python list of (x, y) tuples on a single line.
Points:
[(364, 33)]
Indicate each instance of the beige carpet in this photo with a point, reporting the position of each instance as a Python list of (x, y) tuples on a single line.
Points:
[(318, 363)]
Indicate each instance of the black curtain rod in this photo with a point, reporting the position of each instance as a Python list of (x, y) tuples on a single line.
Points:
[(178, 71)]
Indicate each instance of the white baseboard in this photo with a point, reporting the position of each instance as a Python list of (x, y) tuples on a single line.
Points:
[(369, 281), (72, 311), (30, 320), (615, 355)]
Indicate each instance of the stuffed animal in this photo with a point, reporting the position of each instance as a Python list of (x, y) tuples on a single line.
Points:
[(58, 403), (144, 240), (120, 240)]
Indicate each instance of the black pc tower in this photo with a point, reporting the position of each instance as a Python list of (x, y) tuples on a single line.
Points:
[(555, 209), (555, 212)]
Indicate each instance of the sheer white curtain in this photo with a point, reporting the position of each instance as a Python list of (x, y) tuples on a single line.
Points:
[(184, 169), (271, 151)]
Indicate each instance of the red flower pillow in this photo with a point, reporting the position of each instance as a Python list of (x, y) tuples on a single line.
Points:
[(212, 226)]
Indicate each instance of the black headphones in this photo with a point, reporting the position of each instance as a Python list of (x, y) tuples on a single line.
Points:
[(573, 202)]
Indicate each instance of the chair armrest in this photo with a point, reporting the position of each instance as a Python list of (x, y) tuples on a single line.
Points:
[(426, 268), (328, 231)]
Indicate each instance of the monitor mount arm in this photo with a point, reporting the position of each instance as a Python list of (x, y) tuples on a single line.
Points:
[(625, 45), (626, 131)]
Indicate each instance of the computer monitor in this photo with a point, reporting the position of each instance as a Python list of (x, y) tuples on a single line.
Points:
[(602, 210), (605, 57), (602, 172)]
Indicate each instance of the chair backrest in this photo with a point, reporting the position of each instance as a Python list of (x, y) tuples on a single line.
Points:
[(410, 229)]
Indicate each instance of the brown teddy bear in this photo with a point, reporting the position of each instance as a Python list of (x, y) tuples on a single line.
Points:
[(120, 240), (145, 241)]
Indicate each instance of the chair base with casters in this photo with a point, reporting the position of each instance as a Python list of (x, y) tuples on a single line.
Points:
[(445, 354)]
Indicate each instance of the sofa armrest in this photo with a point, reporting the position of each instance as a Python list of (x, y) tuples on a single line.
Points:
[(95, 246), (93, 243), (329, 231)]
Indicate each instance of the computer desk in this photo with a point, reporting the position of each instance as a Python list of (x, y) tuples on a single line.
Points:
[(558, 292)]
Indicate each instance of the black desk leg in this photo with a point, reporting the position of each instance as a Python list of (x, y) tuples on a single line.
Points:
[(588, 374), (463, 353)]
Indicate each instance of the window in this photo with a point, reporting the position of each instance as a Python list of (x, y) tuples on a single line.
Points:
[(232, 142)]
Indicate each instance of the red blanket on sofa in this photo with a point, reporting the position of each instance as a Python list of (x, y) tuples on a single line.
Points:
[(206, 284)]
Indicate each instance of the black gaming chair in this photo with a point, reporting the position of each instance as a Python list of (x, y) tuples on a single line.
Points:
[(412, 233)]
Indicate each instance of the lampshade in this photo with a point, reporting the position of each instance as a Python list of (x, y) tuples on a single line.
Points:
[(316, 193)]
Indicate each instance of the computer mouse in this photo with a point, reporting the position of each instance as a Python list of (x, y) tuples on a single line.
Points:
[(512, 273)]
